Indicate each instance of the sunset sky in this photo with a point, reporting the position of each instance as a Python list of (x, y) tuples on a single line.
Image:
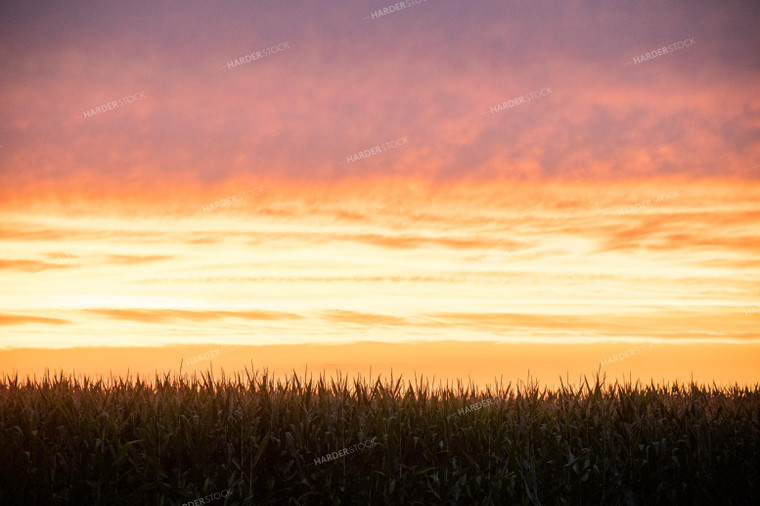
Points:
[(222, 199)]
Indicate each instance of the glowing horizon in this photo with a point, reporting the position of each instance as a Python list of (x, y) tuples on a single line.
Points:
[(446, 172), (256, 270)]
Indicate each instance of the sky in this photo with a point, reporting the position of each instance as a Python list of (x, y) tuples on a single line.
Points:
[(270, 173)]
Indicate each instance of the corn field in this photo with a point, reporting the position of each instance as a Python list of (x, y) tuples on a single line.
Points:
[(250, 439)]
